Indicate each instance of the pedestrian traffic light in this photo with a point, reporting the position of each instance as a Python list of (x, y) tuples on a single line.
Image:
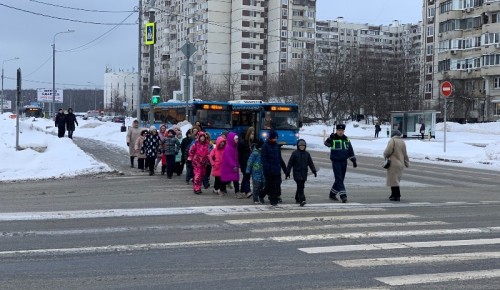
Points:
[(155, 95)]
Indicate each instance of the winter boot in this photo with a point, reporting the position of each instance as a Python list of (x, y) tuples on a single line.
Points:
[(132, 161), (163, 167)]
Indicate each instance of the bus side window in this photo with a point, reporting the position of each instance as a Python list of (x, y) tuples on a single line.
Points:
[(267, 120)]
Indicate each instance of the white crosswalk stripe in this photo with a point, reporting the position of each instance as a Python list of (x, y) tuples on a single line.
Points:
[(445, 258), (439, 277)]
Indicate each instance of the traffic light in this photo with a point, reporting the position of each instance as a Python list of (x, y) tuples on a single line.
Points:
[(155, 95)]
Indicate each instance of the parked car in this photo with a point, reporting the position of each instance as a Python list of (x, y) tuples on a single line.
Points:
[(119, 119)]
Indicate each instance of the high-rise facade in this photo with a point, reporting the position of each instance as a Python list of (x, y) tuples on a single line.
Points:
[(239, 44), (462, 45)]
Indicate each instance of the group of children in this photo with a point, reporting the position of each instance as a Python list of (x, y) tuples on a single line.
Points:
[(258, 161)]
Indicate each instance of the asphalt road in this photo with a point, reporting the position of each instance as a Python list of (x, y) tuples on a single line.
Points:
[(127, 230)]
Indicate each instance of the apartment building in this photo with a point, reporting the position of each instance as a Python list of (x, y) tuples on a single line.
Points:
[(239, 44), (462, 45), (399, 44), (120, 90)]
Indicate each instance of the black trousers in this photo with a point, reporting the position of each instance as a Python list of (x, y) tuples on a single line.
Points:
[(273, 188), (299, 194), (61, 131), (170, 165), (150, 161), (219, 185), (70, 134), (140, 163), (179, 167)]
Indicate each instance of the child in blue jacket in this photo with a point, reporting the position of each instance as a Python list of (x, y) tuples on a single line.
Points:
[(255, 168)]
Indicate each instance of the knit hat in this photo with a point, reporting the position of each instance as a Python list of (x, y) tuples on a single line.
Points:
[(340, 127), (301, 142), (152, 128), (396, 133), (273, 134)]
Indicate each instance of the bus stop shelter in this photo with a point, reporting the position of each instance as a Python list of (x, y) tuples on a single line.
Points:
[(409, 122)]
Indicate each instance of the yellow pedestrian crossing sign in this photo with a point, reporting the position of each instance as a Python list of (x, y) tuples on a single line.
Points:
[(149, 34)]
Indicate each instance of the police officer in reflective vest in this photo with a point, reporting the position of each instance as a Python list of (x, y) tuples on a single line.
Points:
[(341, 150)]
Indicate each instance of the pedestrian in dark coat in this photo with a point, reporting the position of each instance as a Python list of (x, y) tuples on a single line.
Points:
[(60, 121), (300, 161), (272, 164), (422, 130), (377, 130), (151, 145), (340, 150), (70, 122), (185, 151), (245, 146)]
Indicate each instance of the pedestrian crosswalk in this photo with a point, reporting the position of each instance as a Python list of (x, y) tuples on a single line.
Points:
[(440, 236), (368, 238)]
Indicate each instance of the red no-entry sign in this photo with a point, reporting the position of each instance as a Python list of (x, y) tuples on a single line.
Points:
[(446, 88)]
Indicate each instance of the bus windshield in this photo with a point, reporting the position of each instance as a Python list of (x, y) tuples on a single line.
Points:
[(281, 120), (220, 119)]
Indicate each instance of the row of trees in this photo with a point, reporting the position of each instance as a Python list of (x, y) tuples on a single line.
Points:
[(337, 83)]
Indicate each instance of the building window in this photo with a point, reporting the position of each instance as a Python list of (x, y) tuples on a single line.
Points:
[(428, 88), (429, 69), (284, 2), (429, 49), (496, 83), (430, 30), (497, 109)]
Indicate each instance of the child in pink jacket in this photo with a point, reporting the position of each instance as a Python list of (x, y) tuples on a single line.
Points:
[(198, 156), (216, 161)]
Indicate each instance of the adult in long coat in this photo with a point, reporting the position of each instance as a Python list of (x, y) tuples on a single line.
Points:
[(70, 122), (230, 169), (132, 134), (396, 152), (60, 123)]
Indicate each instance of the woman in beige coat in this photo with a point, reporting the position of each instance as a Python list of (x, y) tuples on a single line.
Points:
[(396, 152), (133, 133)]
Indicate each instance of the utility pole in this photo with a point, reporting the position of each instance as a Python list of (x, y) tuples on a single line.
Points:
[(150, 40), (18, 102), (139, 64)]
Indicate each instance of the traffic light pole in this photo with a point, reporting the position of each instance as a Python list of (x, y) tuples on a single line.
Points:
[(151, 70)]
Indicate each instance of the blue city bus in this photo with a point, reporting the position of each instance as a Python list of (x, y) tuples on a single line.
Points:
[(282, 117), (170, 113), (214, 117)]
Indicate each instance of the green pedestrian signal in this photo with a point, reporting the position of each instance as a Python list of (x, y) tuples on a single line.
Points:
[(155, 95)]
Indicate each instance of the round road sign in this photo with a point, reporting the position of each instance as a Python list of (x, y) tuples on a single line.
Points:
[(446, 88)]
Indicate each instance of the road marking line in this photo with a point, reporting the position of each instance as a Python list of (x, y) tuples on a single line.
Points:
[(445, 258), (124, 248), (215, 210), (318, 219), (439, 277), (414, 233), (337, 226), (391, 246)]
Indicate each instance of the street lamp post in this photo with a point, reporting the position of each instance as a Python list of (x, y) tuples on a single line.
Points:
[(53, 106), (4, 61)]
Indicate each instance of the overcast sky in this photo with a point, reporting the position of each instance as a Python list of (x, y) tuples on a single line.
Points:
[(82, 56)]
